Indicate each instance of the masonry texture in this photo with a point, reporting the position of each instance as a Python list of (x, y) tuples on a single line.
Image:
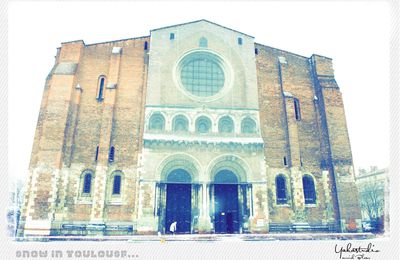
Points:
[(195, 124)]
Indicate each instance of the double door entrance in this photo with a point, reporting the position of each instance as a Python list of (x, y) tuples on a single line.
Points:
[(181, 203)]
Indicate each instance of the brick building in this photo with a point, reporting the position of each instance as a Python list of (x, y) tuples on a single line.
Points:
[(195, 124)]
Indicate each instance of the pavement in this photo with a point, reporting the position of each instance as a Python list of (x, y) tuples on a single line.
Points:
[(209, 237)]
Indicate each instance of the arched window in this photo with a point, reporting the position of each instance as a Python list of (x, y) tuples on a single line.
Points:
[(111, 154), (180, 124), (240, 40), (203, 42), (157, 122), (203, 125), (100, 89), (280, 183), (225, 125), (87, 183), (248, 126), (309, 189), (297, 112), (116, 185)]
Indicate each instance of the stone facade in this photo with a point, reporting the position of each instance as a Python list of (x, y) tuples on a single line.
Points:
[(253, 136)]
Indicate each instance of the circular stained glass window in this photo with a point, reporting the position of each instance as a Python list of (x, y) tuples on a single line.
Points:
[(201, 74)]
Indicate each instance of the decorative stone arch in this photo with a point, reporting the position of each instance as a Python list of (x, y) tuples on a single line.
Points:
[(200, 118), (246, 120), (226, 119), (155, 115), (179, 161), (182, 117), (232, 163)]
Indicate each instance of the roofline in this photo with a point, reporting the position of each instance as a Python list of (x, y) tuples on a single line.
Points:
[(201, 20), (282, 50), (126, 39)]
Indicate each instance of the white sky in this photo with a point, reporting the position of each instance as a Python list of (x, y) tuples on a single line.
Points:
[(356, 35)]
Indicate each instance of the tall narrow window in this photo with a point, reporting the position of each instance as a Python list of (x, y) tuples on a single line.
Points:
[(100, 91), (116, 185), (297, 109), (284, 161), (87, 183), (309, 189), (280, 182), (172, 36), (240, 40), (111, 154), (256, 51), (203, 42), (146, 46), (97, 153)]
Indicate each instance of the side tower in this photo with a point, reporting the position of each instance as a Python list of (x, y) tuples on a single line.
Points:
[(82, 175), (311, 183), (337, 161)]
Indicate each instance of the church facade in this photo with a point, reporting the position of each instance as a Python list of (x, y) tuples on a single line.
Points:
[(195, 124)]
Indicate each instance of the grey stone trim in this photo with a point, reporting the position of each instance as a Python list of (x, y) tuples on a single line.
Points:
[(111, 86), (66, 68)]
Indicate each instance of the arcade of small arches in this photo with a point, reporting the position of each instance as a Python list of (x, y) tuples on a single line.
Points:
[(202, 124)]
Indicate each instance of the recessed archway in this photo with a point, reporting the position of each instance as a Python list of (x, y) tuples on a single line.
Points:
[(226, 202), (178, 201)]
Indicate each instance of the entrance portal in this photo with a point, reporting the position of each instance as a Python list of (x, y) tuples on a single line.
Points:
[(179, 201), (226, 203)]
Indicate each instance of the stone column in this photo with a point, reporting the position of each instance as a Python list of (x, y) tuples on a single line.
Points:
[(204, 220)]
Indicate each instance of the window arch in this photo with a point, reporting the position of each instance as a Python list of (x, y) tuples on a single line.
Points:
[(87, 180), (100, 88), (203, 125), (248, 126), (203, 42), (309, 189), (281, 194), (225, 125), (116, 184), (157, 122), (180, 124)]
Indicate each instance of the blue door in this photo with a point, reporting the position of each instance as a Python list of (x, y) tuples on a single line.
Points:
[(179, 202), (179, 207), (226, 203)]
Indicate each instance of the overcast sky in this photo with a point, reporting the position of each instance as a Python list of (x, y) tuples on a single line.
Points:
[(355, 35)]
